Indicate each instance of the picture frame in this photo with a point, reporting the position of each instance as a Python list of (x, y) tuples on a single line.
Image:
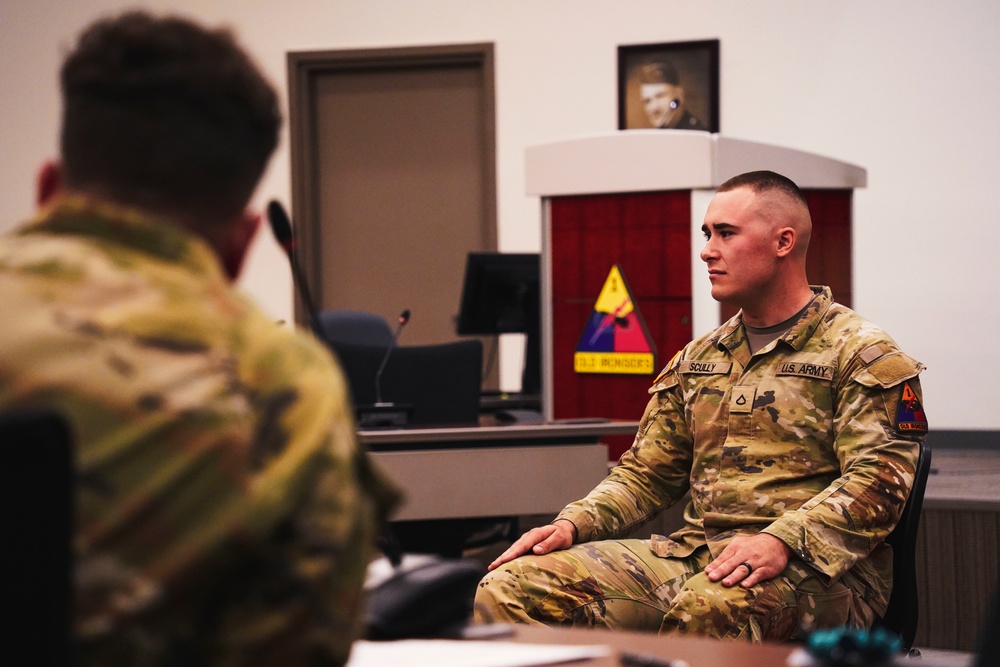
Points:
[(672, 85)]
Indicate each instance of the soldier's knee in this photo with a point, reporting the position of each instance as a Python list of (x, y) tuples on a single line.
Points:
[(497, 599)]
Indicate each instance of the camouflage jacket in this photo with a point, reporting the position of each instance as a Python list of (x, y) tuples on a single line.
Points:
[(813, 439), (224, 512)]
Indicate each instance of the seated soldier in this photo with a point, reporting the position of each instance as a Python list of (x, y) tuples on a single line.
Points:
[(795, 426)]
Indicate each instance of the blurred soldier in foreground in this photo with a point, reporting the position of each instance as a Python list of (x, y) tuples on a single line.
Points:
[(225, 515)]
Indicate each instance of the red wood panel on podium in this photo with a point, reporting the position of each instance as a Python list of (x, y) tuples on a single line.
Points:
[(648, 236), (829, 259)]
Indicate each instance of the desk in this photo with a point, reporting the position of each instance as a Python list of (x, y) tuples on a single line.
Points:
[(692, 650), (696, 651), (488, 471)]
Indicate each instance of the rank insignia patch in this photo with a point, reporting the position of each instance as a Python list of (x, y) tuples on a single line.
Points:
[(910, 417)]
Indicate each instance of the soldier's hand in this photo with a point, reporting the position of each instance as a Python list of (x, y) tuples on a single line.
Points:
[(749, 560), (555, 536)]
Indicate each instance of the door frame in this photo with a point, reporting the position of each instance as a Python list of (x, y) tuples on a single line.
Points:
[(305, 67)]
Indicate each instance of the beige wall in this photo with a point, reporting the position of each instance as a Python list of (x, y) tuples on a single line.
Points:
[(907, 90)]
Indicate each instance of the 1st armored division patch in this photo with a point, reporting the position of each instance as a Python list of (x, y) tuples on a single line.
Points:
[(910, 417)]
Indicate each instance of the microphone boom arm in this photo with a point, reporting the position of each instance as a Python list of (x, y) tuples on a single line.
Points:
[(281, 227), (404, 317)]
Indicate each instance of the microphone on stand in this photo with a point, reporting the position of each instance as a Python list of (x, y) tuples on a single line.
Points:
[(281, 227), (382, 413), (404, 317)]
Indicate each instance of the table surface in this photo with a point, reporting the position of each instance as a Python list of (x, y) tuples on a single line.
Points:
[(696, 651), (963, 479), (563, 430)]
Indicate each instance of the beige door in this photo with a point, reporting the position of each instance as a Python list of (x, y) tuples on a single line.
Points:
[(394, 178)]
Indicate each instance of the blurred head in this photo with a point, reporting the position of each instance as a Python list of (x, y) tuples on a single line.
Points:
[(162, 114), (662, 95), (757, 230)]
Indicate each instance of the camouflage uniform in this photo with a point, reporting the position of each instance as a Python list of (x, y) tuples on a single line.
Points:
[(225, 515), (813, 439)]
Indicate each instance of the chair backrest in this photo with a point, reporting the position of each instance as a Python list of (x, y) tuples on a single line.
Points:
[(903, 612), (354, 327), (36, 502), (441, 383)]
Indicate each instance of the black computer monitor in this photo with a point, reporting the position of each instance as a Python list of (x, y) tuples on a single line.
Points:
[(501, 294)]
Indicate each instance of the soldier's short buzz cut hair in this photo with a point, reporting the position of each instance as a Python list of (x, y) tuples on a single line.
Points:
[(764, 181)]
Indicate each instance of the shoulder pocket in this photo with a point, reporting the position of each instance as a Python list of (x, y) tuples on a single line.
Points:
[(889, 370), (893, 376)]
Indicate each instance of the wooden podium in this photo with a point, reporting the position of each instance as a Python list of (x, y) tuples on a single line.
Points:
[(636, 199)]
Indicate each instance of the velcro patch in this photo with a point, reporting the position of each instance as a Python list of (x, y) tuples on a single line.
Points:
[(801, 369), (705, 367), (893, 368), (870, 354), (910, 417)]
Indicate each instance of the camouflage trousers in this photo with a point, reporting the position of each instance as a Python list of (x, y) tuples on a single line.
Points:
[(621, 584)]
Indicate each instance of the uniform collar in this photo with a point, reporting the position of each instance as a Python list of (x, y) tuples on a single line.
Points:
[(732, 335), (130, 228)]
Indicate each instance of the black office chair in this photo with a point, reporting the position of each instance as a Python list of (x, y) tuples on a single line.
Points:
[(36, 499), (440, 384), (354, 327), (902, 613)]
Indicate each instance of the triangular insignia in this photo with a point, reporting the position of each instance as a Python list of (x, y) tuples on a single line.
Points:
[(615, 338), (910, 415)]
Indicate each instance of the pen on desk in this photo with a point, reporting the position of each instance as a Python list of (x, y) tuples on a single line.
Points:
[(630, 659)]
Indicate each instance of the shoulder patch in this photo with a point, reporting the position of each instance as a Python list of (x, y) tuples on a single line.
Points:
[(672, 364), (870, 354), (910, 417), (662, 380)]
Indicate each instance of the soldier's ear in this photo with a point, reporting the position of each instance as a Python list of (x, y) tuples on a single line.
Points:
[(48, 183), (237, 241), (786, 241)]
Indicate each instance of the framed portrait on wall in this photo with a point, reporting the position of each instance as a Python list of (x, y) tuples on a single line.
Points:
[(674, 85)]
